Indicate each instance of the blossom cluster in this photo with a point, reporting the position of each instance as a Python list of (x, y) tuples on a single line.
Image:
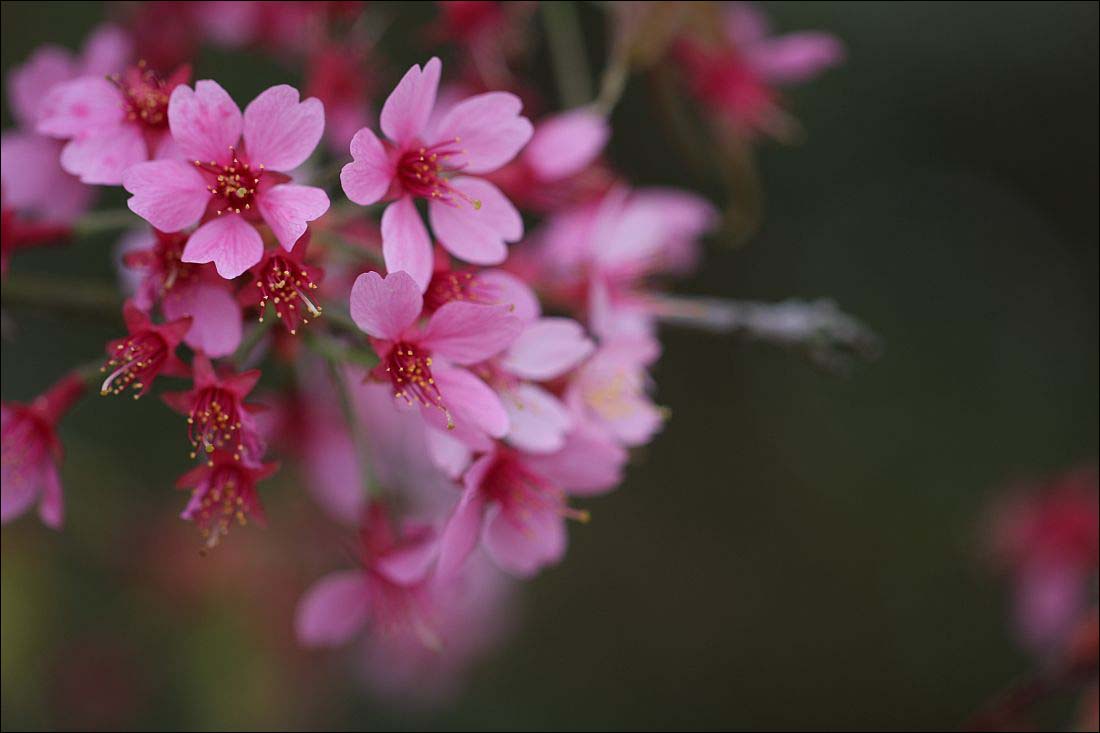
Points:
[(470, 315)]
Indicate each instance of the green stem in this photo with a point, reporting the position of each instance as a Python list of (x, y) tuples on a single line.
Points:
[(63, 294), (567, 54), (105, 221)]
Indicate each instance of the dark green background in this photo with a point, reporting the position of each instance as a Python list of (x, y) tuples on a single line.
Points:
[(794, 550)]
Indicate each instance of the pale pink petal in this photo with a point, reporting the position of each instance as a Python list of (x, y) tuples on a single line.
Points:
[(409, 105), (333, 467), (566, 143), (548, 348), (796, 57), (498, 287), (385, 307), (745, 24), (288, 207), (107, 51), (487, 128), (466, 333), (522, 546), (589, 463), (449, 454), (230, 242), (279, 131), (101, 158), (409, 563), (21, 486), (471, 402), (366, 179), (333, 610), (169, 194), (1050, 596), (460, 535), (51, 506), (476, 233), (34, 182), (28, 84), (538, 421), (215, 316), (205, 121), (79, 107), (406, 246)]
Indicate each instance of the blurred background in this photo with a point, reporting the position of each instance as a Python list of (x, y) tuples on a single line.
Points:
[(794, 550)]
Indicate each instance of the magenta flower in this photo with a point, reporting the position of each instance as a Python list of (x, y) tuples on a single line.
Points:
[(149, 350), (285, 280), (223, 493), (229, 186), (515, 503), (111, 123), (425, 364), (217, 416), (30, 452), (433, 160)]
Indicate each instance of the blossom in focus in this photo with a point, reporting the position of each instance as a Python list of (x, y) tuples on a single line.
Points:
[(111, 123), (223, 493), (425, 364), (438, 161), (228, 186), (739, 77), (217, 416), (1048, 538), (135, 361), (285, 280), (30, 452)]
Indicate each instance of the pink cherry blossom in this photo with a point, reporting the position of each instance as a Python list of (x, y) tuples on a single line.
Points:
[(110, 123), (515, 503), (30, 452), (135, 361), (425, 363), (223, 493), (289, 283), (612, 390), (434, 160), (232, 187)]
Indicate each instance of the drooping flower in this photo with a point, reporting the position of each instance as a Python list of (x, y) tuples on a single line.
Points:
[(230, 186), (740, 78), (150, 349), (223, 493), (438, 162), (184, 290), (288, 283), (515, 503), (425, 363), (30, 452), (111, 123), (217, 416)]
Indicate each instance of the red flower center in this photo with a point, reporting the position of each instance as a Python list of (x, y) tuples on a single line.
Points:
[(425, 172), (230, 497), (146, 96), (136, 361), (410, 372), (234, 184), (287, 285), (215, 422)]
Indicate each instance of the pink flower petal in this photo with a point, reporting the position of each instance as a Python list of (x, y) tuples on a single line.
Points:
[(504, 288), (796, 57), (169, 194), (448, 454), (29, 83), (34, 182), (466, 333), (101, 158), (79, 107), (367, 178), (476, 233), (205, 122), (589, 463), (566, 143), (523, 546), (406, 246), (333, 610), (488, 128), (106, 51), (21, 486), (385, 307), (538, 421), (279, 131), (409, 563), (288, 207), (230, 242), (548, 348), (51, 506), (461, 533), (745, 24), (214, 312), (409, 105), (473, 405)]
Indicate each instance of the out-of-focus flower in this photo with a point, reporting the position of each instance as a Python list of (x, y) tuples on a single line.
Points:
[(287, 282), (739, 77), (217, 416), (612, 390), (425, 364), (338, 76), (235, 187), (1047, 538), (470, 217), (223, 493), (150, 349), (184, 290), (110, 123), (31, 452)]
